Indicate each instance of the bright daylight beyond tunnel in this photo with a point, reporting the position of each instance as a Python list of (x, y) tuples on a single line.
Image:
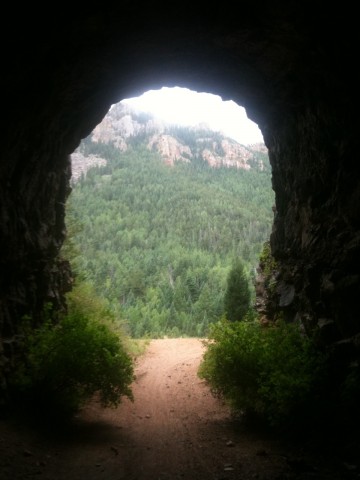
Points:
[(170, 192)]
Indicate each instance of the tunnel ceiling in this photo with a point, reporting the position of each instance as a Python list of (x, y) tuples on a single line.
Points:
[(290, 64)]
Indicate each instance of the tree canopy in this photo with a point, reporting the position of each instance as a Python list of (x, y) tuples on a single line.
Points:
[(157, 241)]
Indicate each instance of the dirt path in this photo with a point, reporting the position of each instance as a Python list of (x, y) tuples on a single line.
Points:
[(175, 429)]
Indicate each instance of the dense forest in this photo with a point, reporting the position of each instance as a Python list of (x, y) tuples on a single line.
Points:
[(158, 241)]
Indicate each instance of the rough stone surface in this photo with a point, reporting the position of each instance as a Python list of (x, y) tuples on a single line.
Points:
[(80, 164), (290, 64)]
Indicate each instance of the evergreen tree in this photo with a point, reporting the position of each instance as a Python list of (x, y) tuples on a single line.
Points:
[(157, 242), (237, 295)]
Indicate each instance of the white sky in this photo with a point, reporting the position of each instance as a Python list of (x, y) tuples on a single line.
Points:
[(186, 107)]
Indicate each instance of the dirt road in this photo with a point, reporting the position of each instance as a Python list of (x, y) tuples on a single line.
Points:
[(175, 429)]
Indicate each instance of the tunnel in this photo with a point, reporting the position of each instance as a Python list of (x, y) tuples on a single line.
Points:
[(290, 64)]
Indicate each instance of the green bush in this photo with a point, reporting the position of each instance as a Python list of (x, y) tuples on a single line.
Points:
[(272, 372), (66, 364)]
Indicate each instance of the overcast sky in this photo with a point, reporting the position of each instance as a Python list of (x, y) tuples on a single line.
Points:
[(186, 107)]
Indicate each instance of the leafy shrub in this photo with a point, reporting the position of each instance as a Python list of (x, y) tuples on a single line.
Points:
[(271, 372), (67, 363)]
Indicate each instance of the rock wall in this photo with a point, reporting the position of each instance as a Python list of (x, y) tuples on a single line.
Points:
[(315, 235), (290, 64)]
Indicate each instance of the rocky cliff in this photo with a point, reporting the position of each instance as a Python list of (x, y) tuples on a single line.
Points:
[(174, 143)]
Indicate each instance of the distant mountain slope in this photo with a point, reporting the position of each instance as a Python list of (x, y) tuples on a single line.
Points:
[(124, 126), (160, 220)]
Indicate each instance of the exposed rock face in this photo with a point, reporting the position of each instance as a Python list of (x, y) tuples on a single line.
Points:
[(170, 149), (124, 122), (234, 155), (291, 67), (80, 164)]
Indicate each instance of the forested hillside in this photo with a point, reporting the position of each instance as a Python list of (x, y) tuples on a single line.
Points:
[(158, 241)]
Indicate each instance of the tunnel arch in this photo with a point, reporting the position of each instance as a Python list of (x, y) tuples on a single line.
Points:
[(291, 68)]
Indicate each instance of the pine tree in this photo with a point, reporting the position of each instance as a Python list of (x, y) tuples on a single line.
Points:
[(237, 295)]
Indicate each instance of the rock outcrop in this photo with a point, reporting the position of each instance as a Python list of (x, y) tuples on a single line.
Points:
[(124, 123), (80, 164)]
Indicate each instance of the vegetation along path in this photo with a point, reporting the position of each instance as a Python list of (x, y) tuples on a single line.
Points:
[(174, 429)]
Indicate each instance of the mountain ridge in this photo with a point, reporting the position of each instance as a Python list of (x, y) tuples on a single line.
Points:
[(125, 125)]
